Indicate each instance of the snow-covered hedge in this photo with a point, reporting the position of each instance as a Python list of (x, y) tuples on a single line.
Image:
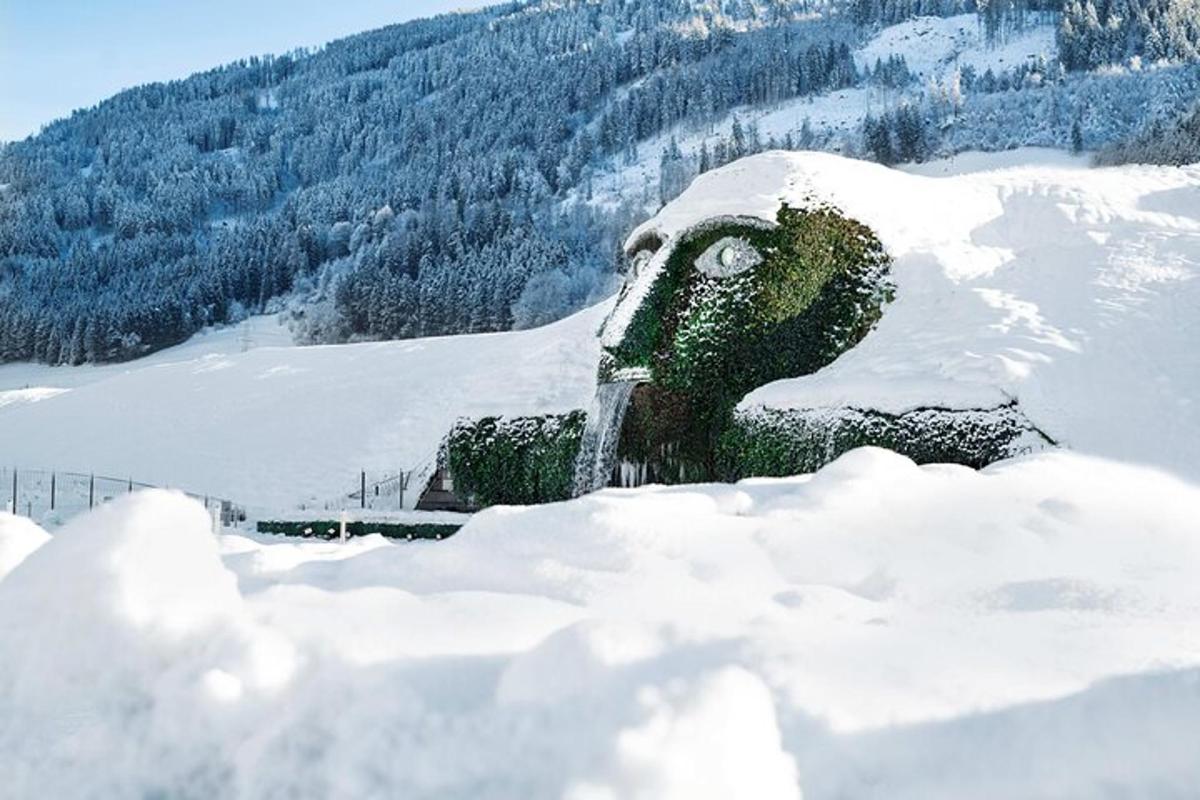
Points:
[(774, 442), (515, 461)]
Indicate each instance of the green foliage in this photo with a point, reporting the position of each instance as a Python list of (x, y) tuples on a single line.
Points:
[(708, 341), (771, 442), (523, 460), (331, 529)]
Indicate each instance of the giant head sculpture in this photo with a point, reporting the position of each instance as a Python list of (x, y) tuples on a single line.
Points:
[(725, 306), (755, 275)]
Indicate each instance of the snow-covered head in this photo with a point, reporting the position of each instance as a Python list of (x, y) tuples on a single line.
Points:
[(716, 305), (782, 276), (744, 299)]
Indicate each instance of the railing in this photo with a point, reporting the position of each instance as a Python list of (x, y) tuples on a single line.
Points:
[(50, 494), (53, 496), (389, 491)]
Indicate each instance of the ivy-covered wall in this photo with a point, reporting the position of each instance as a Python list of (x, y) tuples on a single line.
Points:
[(775, 443), (523, 460), (818, 285)]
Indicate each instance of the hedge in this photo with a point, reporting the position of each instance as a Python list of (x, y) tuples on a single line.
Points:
[(518, 461), (774, 443), (331, 529)]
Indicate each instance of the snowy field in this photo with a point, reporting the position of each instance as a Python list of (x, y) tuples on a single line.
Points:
[(878, 630), (272, 426)]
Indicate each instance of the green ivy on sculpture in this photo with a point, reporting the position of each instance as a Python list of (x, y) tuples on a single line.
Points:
[(818, 287)]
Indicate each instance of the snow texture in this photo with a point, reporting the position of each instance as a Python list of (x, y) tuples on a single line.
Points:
[(876, 630), (18, 538)]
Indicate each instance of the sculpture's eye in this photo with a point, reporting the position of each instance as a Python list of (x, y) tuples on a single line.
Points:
[(727, 257)]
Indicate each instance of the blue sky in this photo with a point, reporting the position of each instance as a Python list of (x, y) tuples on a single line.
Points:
[(59, 55)]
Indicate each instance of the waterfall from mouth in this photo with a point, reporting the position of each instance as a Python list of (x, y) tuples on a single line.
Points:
[(598, 449)]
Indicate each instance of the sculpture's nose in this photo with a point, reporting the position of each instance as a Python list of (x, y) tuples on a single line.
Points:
[(632, 331)]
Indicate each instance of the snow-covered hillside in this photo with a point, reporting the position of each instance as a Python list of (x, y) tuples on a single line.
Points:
[(934, 48), (875, 631)]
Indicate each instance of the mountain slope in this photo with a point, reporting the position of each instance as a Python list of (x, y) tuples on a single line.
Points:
[(475, 172)]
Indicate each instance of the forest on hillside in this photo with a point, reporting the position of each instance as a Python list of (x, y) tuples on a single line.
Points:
[(434, 177)]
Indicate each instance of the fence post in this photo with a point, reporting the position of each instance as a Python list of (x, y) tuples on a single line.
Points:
[(92, 491), (403, 483), (131, 486), (363, 493), (53, 482), (14, 505)]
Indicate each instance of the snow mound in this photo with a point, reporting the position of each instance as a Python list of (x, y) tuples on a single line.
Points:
[(123, 637), (1071, 291), (19, 537), (1033, 630)]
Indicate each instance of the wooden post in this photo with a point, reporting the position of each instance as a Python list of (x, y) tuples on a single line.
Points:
[(53, 482), (92, 491), (363, 494)]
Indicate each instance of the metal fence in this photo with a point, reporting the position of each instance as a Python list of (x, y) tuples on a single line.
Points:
[(53, 495), (384, 491)]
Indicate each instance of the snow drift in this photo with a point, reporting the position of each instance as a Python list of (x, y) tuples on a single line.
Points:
[(874, 630)]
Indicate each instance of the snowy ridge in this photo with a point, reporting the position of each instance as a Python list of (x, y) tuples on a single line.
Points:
[(934, 48)]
